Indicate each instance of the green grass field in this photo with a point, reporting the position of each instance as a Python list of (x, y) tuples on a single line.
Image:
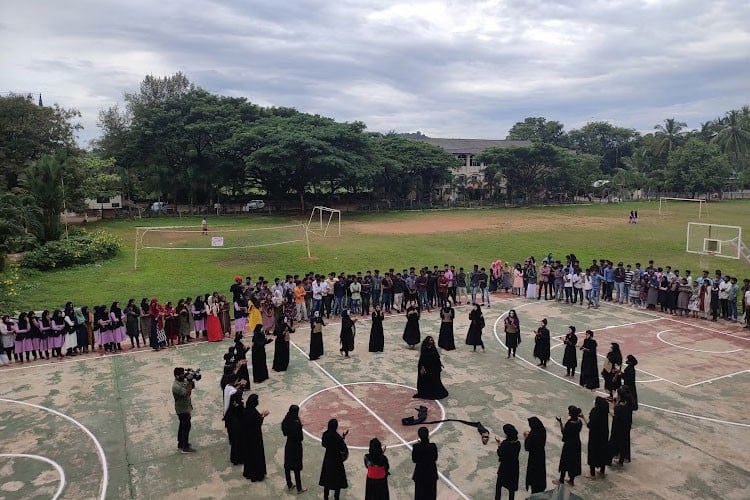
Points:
[(394, 239)]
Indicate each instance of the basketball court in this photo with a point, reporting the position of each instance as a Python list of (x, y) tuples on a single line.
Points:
[(104, 427)]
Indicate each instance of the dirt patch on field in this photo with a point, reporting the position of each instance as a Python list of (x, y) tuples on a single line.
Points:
[(482, 221)]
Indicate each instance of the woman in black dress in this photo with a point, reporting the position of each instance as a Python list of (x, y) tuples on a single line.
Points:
[(254, 453), (536, 469), (611, 369), (424, 455), (542, 344), (598, 424), (376, 486), (377, 338), (316, 336), (234, 420), (570, 359), (589, 371), (260, 369), (476, 325), (291, 427), (628, 380), (411, 334), (281, 345), (429, 385), (622, 421), (570, 459), (347, 333), (512, 327), (507, 453), (446, 339), (333, 473)]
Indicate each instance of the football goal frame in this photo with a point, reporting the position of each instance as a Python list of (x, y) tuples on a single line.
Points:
[(321, 219), (215, 238), (702, 204), (714, 239)]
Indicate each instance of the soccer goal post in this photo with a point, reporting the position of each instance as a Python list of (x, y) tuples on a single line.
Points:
[(321, 220), (714, 239), (216, 238), (665, 203)]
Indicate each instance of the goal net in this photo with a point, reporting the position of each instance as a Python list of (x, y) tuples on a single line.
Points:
[(714, 239), (216, 238), (324, 220), (668, 206)]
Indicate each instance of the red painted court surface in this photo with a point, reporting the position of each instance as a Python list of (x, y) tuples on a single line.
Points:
[(367, 410), (682, 351)]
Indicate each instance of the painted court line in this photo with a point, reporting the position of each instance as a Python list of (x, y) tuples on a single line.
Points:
[(99, 450), (655, 378), (54, 464), (718, 378), (316, 438), (659, 334), (640, 403), (380, 420)]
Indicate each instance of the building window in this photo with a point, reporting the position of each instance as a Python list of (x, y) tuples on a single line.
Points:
[(115, 205), (474, 162), (102, 199)]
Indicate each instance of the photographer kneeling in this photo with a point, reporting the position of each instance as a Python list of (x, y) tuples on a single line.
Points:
[(182, 388)]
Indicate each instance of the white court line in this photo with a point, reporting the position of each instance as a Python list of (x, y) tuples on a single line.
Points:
[(669, 318), (658, 336), (316, 438), (99, 450), (629, 324), (717, 378), (54, 464), (640, 404), (377, 417)]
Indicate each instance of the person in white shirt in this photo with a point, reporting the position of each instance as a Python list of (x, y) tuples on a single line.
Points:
[(318, 290)]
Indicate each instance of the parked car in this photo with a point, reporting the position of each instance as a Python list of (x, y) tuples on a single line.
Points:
[(158, 207), (254, 205)]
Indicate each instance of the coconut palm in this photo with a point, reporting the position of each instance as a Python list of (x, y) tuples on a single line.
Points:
[(733, 136), (43, 181), (670, 135)]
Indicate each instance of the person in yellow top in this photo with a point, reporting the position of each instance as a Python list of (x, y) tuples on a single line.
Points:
[(299, 301), (253, 318)]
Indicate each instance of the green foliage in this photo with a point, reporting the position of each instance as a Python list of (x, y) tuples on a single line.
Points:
[(78, 248), (538, 129), (697, 167), (44, 181), (605, 140), (19, 223)]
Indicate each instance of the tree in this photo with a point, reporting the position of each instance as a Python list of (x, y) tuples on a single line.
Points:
[(29, 131), (605, 140), (44, 181), (538, 129), (733, 136), (154, 90), (531, 172), (19, 223), (697, 167), (669, 135)]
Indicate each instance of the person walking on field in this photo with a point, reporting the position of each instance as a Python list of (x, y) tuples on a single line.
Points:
[(508, 470), (424, 455), (333, 473)]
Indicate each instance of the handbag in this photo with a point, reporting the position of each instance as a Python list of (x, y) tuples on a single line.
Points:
[(344, 453), (161, 335)]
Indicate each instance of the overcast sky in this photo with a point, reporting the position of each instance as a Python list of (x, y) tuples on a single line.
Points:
[(447, 68)]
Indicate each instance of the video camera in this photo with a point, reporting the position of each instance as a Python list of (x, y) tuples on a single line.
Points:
[(191, 374)]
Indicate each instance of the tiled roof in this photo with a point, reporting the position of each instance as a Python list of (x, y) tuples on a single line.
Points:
[(471, 146)]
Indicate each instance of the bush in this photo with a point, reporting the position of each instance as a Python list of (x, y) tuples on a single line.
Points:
[(80, 247)]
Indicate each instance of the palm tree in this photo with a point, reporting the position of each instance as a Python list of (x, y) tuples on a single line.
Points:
[(671, 135), (734, 136), (43, 181)]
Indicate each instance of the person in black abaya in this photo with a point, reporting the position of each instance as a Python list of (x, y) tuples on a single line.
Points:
[(622, 421), (507, 453), (542, 344), (570, 458), (424, 455), (411, 334), (446, 339), (589, 370), (234, 419), (536, 469), (333, 473), (611, 369), (281, 345), (316, 336), (238, 353), (377, 338), (347, 333), (260, 369), (476, 325), (628, 380), (254, 454), (512, 327), (376, 485), (570, 358), (429, 385), (598, 424), (291, 427)]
